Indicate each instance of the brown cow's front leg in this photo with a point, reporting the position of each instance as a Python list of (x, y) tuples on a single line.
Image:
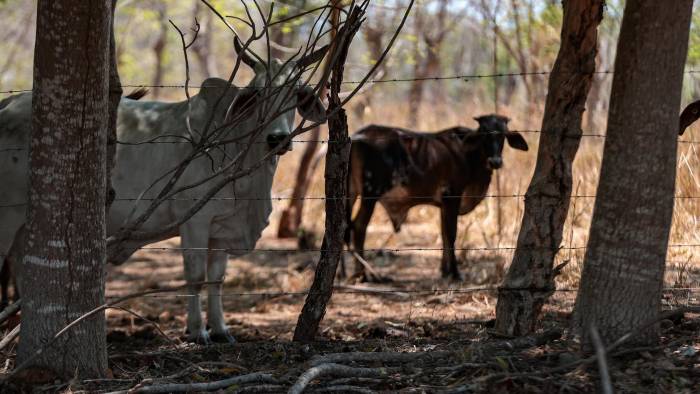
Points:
[(359, 227), (448, 216)]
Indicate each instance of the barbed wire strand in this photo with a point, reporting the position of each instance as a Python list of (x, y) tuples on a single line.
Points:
[(464, 77), (321, 198), (370, 291)]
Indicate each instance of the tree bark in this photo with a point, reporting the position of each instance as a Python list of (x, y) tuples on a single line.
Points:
[(624, 265), (530, 278), (64, 256), (336, 175), (115, 96), (290, 221)]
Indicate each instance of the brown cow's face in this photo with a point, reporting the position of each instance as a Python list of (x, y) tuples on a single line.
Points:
[(492, 134)]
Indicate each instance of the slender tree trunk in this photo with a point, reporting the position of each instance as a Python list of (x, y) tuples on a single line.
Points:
[(63, 264), (336, 191), (530, 278), (624, 266), (290, 221), (159, 49), (115, 95), (202, 45)]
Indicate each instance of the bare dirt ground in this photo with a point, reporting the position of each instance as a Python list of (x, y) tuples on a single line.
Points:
[(263, 294)]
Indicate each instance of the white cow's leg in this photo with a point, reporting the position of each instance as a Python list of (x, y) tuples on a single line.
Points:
[(195, 240), (216, 271)]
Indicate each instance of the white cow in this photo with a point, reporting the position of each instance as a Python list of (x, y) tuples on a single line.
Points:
[(231, 223)]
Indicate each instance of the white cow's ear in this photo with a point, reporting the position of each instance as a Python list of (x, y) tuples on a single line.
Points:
[(213, 88), (309, 105)]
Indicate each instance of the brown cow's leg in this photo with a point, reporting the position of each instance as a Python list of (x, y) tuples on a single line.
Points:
[(359, 232), (448, 216)]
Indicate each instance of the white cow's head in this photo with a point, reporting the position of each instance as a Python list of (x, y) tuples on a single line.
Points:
[(270, 99)]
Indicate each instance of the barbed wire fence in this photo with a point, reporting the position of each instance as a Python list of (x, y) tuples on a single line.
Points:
[(379, 291)]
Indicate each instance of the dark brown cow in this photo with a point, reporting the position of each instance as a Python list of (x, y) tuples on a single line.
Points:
[(450, 169)]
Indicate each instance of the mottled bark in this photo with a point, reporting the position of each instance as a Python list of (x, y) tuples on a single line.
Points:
[(290, 220), (624, 266), (530, 278), (336, 175), (64, 255)]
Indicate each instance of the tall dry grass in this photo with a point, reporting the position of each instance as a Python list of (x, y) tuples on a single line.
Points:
[(480, 228)]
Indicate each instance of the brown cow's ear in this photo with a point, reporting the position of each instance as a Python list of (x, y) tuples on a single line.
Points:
[(516, 141), (690, 114)]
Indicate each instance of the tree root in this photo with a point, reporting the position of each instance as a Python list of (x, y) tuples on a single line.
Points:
[(336, 370), (206, 386)]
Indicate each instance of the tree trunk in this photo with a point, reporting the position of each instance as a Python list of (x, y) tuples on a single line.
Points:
[(530, 278), (290, 221), (159, 49), (336, 191), (115, 95), (623, 269), (64, 256), (202, 45)]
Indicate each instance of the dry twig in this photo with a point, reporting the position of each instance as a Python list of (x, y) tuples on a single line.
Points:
[(602, 362), (9, 337)]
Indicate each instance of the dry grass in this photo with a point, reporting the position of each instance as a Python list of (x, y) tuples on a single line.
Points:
[(481, 228)]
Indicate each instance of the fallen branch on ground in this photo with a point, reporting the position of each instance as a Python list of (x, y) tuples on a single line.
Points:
[(10, 310), (336, 370), (380, 291), (369, 270)]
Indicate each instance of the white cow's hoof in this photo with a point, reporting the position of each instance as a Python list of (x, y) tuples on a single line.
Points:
[(201, 337), (223, 337)]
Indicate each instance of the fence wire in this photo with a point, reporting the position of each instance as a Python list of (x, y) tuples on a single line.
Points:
[(369, 291)]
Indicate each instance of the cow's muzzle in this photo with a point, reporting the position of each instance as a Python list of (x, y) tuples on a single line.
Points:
[(495, 162), (274, 140)]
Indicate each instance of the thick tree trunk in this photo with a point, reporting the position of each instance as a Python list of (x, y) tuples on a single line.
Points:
[(530, 278), (336, 191), (624, 266), (64, 256), (290, 221)]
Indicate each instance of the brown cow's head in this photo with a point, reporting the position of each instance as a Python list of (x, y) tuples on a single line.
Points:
[(490, 137)]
